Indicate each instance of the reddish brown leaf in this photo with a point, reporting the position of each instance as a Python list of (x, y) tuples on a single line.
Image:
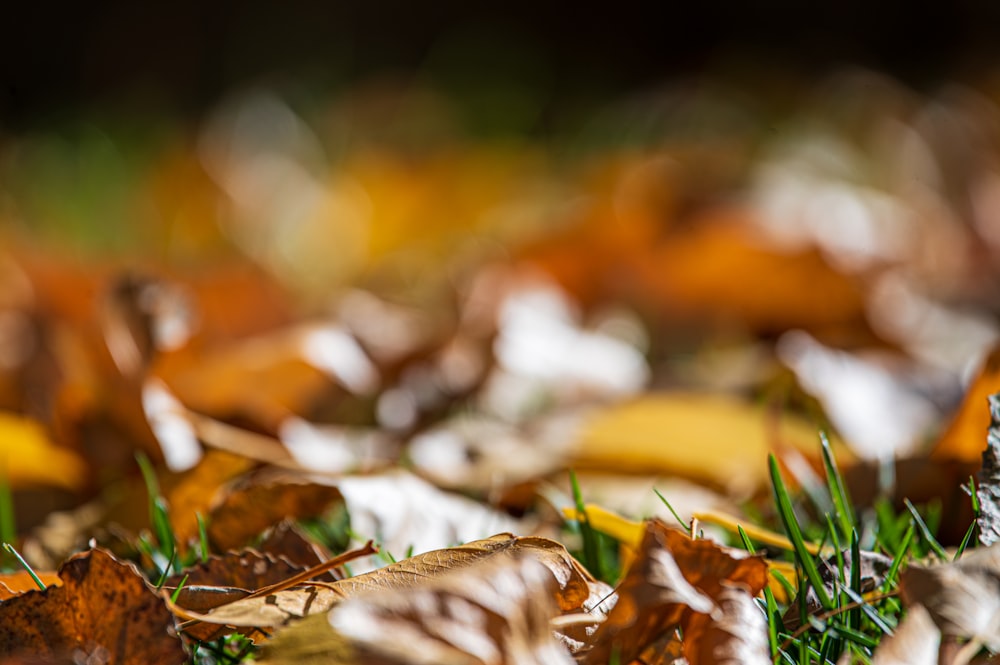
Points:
[(104, 607), (248, 510)]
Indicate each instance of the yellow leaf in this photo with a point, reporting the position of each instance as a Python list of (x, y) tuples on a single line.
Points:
[(28, 457), (713, 439)]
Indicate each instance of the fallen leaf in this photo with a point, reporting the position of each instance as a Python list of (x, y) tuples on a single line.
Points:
[(104, 609), (915, 641), (672, 577), (735, 632), (714, 439), (28, 457), (493, 612), (258, 502), (577, 589), (962, 597)]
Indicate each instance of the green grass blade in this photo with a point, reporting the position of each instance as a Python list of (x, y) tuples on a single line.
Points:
[(925, 532), (591, 548), (897, 559), (965, 540), (686, 527), (17, 555), (203, 546), (838, 489), (8, 525), (854, 616), (974, 496), (794, 533), (177, 592)]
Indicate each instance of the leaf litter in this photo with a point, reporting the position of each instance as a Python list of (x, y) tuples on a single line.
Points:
[(429, 391)]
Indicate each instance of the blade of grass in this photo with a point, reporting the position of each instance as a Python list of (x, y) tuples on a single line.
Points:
[(925, 532), (673, 512), (770, 605), (897, 559), (202, 538), (838, 488), (591, 551), (854, 616), (8, 526), (794, 532), (159, 518), (17, 555), (177, 592)]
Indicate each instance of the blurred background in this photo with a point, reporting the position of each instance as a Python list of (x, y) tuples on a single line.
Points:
[(367, 228)]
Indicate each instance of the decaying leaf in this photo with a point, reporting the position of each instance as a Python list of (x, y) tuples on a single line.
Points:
[(962, 597), (988, 485), (104, 609), (247, 510), (734, 633), (576, 588), (915, 641), (672, 579), (493, 612)]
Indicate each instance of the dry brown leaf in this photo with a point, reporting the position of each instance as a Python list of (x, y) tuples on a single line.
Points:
[(577, 588), (734, 632), (672, 576), (195, 491), (225, 579), (247, 510), (962, 597), (915, 641), (494, 612), (104, 609)]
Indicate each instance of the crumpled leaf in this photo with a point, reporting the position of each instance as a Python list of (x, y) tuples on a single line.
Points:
[(962, 597), (734, 633), (494, 612), (988, 485), (104, 609), (576, 589), (915, 641), (672, 578), (224, 579)]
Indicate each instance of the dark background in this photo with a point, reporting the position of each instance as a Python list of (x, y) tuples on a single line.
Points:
[(180, 56)]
